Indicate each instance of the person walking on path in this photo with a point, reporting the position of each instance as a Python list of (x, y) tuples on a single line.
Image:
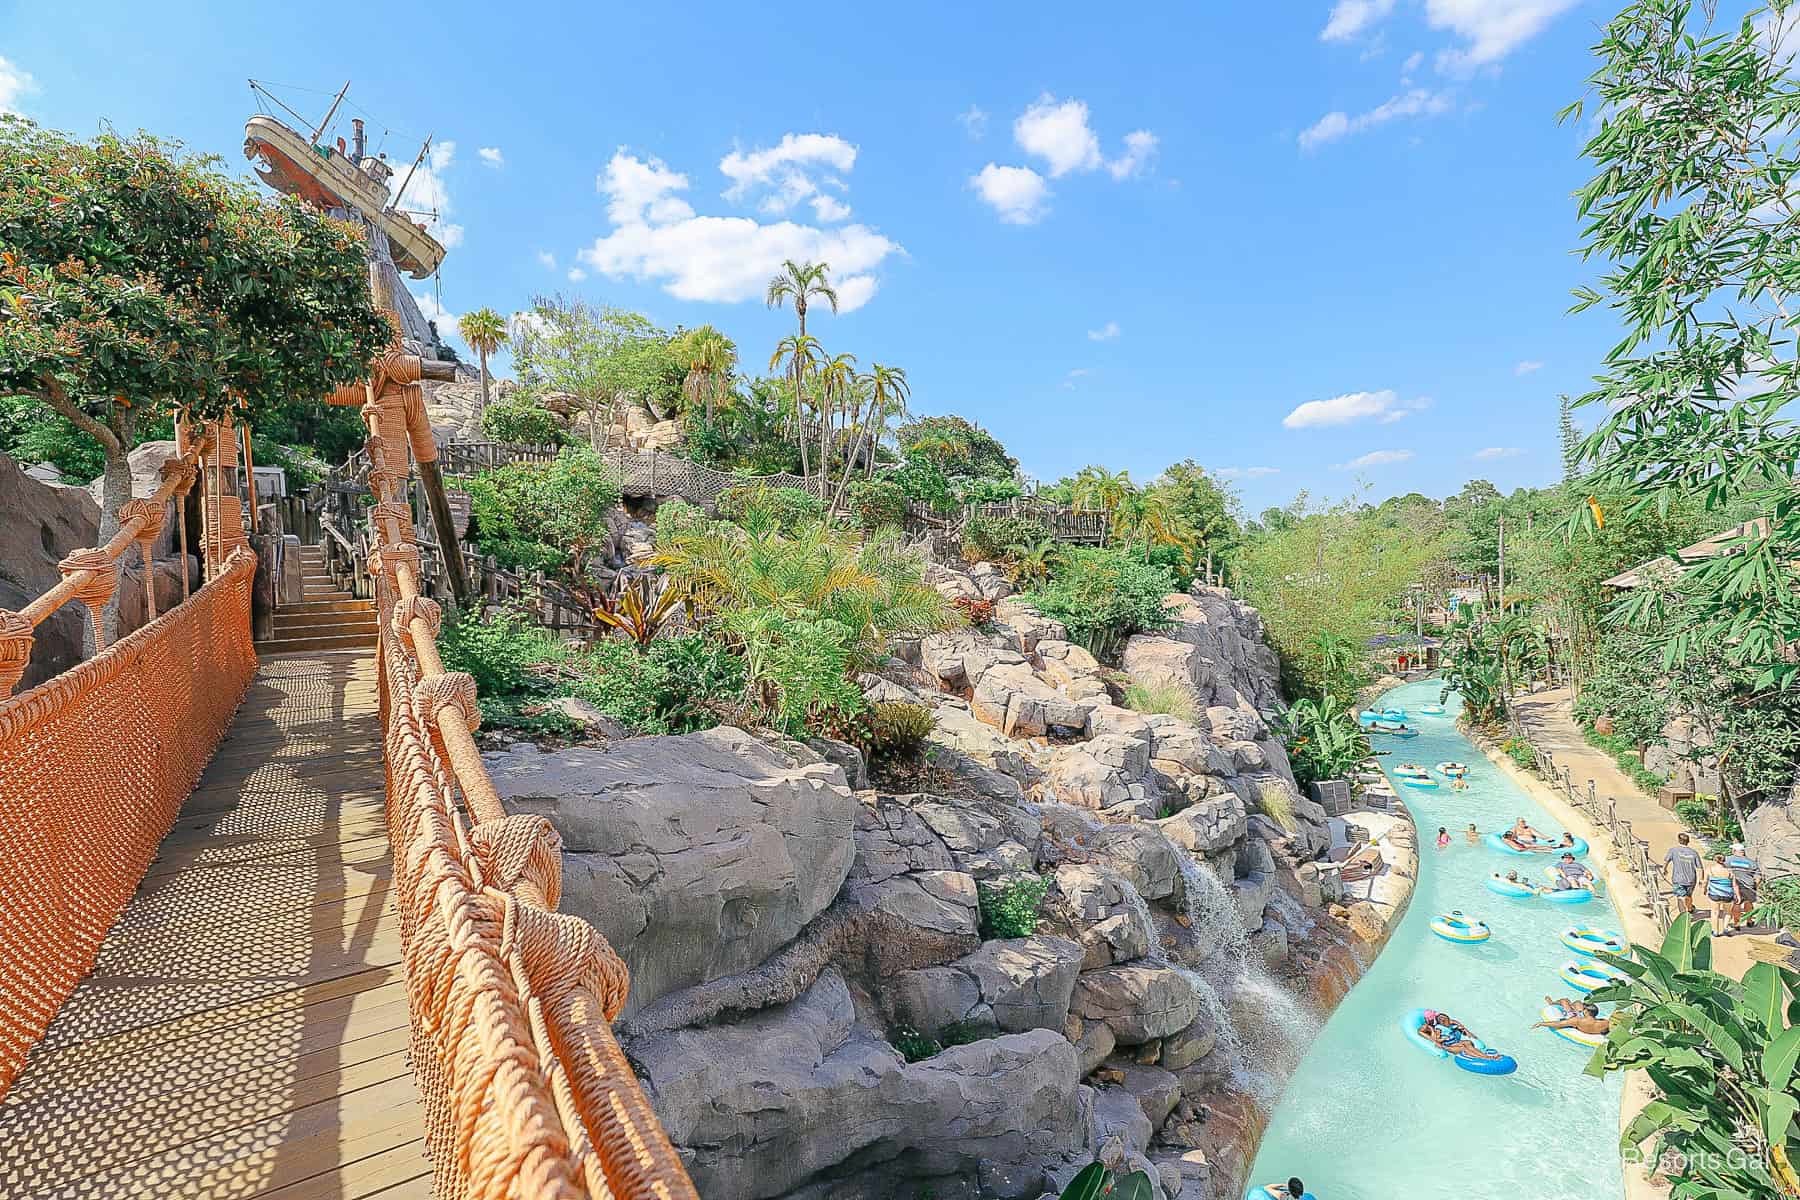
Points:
[(1683, 863), (1722, 895)]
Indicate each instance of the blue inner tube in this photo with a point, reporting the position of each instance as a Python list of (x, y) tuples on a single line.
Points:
[(1496, 842), (1504, 1065), (1423, 782), (1568, 895), (1414, 1021), (1506, 887)]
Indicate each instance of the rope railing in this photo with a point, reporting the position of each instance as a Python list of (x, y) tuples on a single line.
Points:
[(95, 763), (1603, 814), (525, 1090)]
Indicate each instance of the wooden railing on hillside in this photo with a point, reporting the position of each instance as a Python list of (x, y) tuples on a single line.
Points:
[(95, 763), (1066, 524), (525, 1090)]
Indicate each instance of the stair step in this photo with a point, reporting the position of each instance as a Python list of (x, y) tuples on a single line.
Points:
[(352, 623), (298, 645), (348, 604)]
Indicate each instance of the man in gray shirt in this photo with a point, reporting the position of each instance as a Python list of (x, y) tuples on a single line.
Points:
[(1683, 862)]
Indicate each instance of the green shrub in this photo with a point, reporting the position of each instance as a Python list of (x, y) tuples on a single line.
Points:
[(529, 716), (1171, 699), (1778, 903), (545, 516), (962, 1033), (789, 508), (1104, 596), (498, 649), (706, 441), (1520, 751), (677, 517), (519, 421), (801, 672), (1624, 752), (912, 1045), (673, 685), (877, 502), (991, 539), (898, 730), (1706, 817), (1010, 910), (923, 481)]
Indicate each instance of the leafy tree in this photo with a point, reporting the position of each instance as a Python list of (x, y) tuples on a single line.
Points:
[(1208, 508), (136, 279), (546, 516), (521, 420), (877, 502), (485, 331), (960, 449), (1722, 1054), (602, 356), (1690, 206), (799, 284)]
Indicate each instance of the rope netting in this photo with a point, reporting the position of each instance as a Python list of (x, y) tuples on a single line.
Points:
[(525, 1091), (94, 766)]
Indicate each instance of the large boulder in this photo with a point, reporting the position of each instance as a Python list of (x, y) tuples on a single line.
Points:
[(976, 752), (1014, 700), (800, 1097), (1109, 773), (147, 462), (1010, 985), (697, 856), (1209, 826), (906, 878), (1772, 836), (43, 522), (1139, 1001), (1025, 627)]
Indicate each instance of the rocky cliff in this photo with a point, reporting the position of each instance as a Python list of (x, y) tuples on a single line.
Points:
[(794, 940)]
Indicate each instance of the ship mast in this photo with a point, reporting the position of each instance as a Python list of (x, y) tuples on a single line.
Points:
[(330, 113)]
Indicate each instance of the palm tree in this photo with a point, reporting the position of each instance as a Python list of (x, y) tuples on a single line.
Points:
[(1100, 490), (889, 394), (485, 331), (837, 389), (798, 283), (799, 356), (709, 357)]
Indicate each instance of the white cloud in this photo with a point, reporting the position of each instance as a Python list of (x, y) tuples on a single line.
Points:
[(15, 82), (1058, 133), (829, 208), (1528, 366), (1492, 28), (1384, 406), (1413, 62), (1375, 458), (1350, 17), (1246, 472), (1140, 148), (790, 171), (1074, 374), (1016, 193), (974, 122), (547, 259), (435, 311), (657, 237), (1418, 102), (427, 195), (491, 157), (1499, 452), (576, 274), (1105, 333)]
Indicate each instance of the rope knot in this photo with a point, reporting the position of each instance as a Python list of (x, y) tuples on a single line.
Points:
[(564, 954), (105, 574), (522, 848), (386, 561), (385, 480), (413, 608), (181, 471), (148, 513), (397, 366), (434, 693), (16, 636)]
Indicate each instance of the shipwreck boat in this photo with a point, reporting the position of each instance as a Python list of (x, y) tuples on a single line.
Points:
[(340, 176)]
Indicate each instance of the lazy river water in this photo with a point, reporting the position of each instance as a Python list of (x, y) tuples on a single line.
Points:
[(1368, 1115)]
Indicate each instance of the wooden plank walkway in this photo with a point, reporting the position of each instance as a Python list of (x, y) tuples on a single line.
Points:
[(245, 1030)]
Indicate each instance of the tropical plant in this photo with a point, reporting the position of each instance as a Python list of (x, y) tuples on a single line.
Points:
[(708, 357), (799, 284), (638, 609), (1097, 1182), (1690, 205), (898, 731), (1323, 739), (1472, 670), (800, 356), (1722, 1054), (990, 539), (838, 384), (501, 649), (485, 331), (1033, 562), (1097, 489), (136, 279), (1104, 596), (1009, 909), (671, 685), (789, 508), (877, 502)]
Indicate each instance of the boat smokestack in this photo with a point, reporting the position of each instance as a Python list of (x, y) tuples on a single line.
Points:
[(356, 139)]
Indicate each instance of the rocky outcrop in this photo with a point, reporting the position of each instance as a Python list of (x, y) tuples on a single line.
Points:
[(697, 856), (803, 1101)]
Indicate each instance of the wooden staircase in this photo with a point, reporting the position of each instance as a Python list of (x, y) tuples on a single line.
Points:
[(328, 619)]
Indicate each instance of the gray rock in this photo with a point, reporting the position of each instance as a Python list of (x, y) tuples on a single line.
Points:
[(972, 750), (1117, 1114), (43, 523), (589, 717), (799, 1096), (1188, 1046), (1157, 1091), (1142, 856), (845, 757), (1139, 1001), (697, 856), (1026, 627), (1208, 826), (1011, 985), (1012, 699), (1093, 1041), (1101, 774)]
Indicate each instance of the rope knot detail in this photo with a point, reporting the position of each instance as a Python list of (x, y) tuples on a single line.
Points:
[(16, 636), (386, 561), (566, 956), (435, 693), (397, 366), (149, 513), (182, 472), (414, 608), (105, 574), (522, 848)]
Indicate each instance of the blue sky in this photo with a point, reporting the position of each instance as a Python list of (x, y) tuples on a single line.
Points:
[(1280, 239)]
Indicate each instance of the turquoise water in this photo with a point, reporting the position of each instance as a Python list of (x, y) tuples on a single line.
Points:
[(1368, 1115)]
